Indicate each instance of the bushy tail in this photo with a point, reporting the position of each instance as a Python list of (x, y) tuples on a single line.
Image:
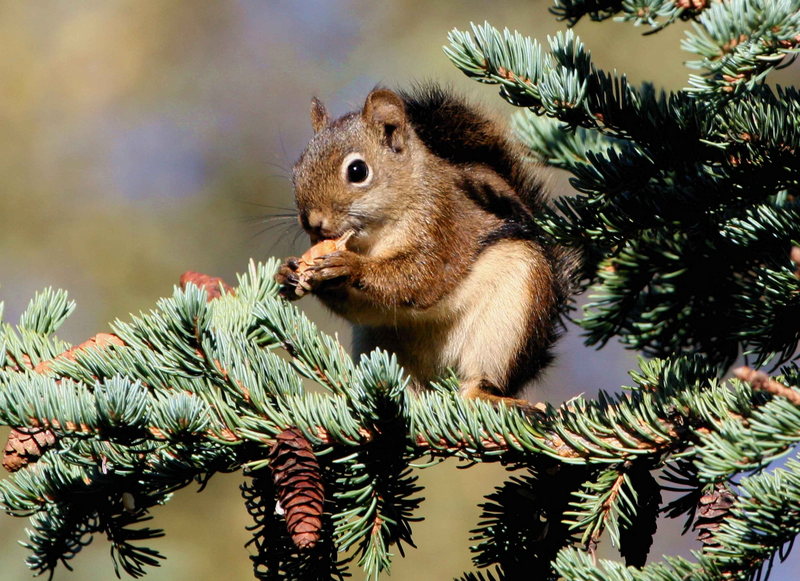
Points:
[(463, 133)]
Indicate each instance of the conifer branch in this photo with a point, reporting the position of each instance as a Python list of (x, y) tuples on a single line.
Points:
[(655, 13), (761, 381), (134, 420), (744, 547), (666, 183), (687, 212), (741, 42)]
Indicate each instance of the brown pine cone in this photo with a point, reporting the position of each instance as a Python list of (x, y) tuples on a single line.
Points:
[(210, 284), (298, 481), (25, 445), (712, 509)]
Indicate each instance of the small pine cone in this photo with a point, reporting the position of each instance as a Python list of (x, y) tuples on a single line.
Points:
[(298, 481), (25, 445), (210, 284), (712, 509)]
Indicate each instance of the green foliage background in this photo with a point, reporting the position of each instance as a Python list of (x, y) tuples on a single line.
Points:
[(135, 139)]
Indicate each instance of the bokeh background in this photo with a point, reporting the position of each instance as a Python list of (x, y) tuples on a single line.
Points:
[(140, 139)]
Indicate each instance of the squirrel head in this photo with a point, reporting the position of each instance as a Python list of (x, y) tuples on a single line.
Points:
[(356, 170)]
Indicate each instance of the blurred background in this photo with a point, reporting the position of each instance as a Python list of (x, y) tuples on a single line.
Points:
[(140, 139)]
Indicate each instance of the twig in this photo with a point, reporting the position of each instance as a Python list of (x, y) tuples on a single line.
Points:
[(762, 382)]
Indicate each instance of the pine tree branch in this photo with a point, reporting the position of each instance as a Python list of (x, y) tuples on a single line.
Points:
[(655, 13), (741, 42), (178, 418), (762, 382), (769, 432), (656, 226), (598, 508), (744, 544), (195, 387)]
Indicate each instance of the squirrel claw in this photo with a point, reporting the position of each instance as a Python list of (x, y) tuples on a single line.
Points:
[(289, 280), (482, 390), (530, 409), (332, 268)]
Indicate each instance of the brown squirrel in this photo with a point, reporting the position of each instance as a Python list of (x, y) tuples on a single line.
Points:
[(445, 266)]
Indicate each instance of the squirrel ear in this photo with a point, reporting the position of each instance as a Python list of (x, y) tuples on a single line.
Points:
[(319, 115), (387, 111)]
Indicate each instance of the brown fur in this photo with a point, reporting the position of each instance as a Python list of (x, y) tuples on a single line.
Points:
[(446, 268)]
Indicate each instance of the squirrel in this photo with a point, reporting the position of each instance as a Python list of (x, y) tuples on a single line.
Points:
[(445, 266)]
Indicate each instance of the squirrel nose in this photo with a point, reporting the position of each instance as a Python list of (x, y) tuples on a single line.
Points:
[(316, 224)]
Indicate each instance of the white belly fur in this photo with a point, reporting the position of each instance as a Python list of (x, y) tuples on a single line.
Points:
[(477, 329)]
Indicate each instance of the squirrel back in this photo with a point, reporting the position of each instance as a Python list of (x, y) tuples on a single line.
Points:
[(462, 133)]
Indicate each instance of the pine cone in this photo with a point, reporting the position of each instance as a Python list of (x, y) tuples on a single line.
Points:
[(712, 509), (25, 445), (298, 481), (210, 284)]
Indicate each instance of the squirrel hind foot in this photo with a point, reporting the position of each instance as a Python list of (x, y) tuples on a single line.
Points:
[(484, 390)]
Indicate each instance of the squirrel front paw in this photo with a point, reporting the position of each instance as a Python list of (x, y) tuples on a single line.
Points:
[(297, 277), (288, 279), (330, 270)]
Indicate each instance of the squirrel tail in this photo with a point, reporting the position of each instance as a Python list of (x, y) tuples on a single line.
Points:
[(463, 133)]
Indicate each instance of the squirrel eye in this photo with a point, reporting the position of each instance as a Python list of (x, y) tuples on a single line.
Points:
[(357, 171)]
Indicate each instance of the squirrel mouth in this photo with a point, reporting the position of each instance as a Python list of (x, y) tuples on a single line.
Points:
[(316, 238), (344, 234), (339, 238)]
